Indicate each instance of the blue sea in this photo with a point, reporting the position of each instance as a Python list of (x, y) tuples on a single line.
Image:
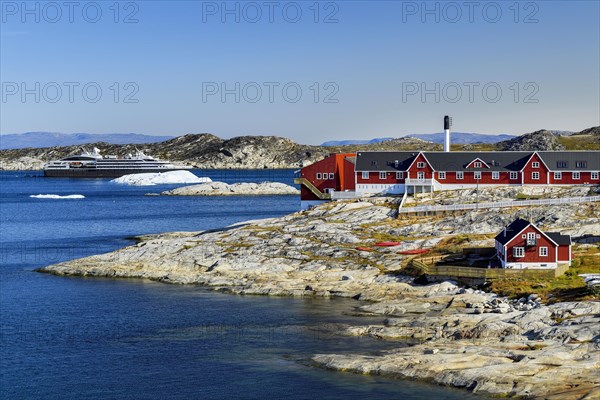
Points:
[(91, 338)]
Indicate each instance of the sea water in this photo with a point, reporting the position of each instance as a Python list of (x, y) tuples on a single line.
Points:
[(95, 338)]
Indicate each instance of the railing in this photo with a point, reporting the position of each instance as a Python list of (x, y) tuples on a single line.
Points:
[(312, 188), (500, 204), (420, 182), (338, 195), (485, 273)]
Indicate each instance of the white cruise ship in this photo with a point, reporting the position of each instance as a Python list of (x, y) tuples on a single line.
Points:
[(94, 165)]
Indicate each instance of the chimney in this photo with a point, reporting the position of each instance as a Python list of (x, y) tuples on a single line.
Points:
[(447, 124)]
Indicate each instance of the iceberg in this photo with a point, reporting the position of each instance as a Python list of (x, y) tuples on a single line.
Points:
[(57, 196), (161, 178)]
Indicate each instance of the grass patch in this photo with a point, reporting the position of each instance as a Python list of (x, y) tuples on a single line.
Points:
[(568, 287)]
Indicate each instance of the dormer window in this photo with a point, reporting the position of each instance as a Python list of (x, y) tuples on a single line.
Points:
[(396, 163), (580, 164), (562, 164)]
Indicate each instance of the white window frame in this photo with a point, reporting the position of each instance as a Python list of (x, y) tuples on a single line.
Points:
[(535, 176), (594, 175), (442, 175), (558, 176), (535, 164), (477, 175), (514, 175), (477, 164), (319, 176), (420, 164), (460, 175), (543, 251), (400, 175), (421, 175), (518, 252), (576, 176), (495, 175), (365, 175), (382, 175), (331, 175)]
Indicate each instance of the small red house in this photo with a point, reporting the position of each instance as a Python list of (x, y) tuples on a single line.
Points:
[(523, 245)]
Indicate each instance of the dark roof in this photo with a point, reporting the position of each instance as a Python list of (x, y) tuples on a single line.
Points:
[(591, 158), (561, 240), (512, 230), (384, 160), (458, 160), (496, 160)]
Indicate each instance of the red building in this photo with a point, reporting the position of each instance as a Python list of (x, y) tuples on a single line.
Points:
[(321, 179), (369, 172), (523, 245)]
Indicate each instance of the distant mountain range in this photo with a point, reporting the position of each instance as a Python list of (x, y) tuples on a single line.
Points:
[(438, 138), (51, 139)]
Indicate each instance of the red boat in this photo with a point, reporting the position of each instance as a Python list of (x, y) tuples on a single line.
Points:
[(417, 251), (387, 244)]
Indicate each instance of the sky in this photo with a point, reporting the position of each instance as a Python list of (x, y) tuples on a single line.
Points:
[(311, 71)]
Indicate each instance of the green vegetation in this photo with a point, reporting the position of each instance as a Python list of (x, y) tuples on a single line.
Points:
[(569, 287), (580, 142)]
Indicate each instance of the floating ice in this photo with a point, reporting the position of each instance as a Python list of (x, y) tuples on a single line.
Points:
[(57, 196), (160, 178)]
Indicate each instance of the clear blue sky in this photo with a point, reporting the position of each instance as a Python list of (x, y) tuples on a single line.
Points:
[(377, 58)]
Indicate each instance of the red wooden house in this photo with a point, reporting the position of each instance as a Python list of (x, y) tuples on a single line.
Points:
[(523, 245)]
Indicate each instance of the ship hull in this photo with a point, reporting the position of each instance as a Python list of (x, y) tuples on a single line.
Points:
[(102, 173)]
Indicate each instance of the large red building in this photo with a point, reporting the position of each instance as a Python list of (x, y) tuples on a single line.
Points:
[(368, 172), (523, 245)]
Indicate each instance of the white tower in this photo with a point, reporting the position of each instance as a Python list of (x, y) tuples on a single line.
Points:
[(447, 124)]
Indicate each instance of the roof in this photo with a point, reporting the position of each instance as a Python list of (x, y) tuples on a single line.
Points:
[(351, 159), (561, 240), (495, 160), (384, 160), (551, 158), (512, 230)]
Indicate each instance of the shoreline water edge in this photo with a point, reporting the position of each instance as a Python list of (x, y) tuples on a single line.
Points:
[(465, 338)]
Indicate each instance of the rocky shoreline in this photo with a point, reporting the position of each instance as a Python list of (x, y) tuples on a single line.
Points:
[(465, 338), (234, 189)]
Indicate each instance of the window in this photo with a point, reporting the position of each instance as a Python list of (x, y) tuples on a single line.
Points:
[(514, 175), (558, 176), (562, 164), (460, 175), (580, 164), (535, 165), (420, 165), (400, 175), (518, 252), (382, 175), (396, 163), (535, 176), (594, 176), (495, 175), (477, 164), (543, 252), (365, 175), (442, 175), (331, 175), (318, 176), (420, 175), (577, 175), (477, 175)]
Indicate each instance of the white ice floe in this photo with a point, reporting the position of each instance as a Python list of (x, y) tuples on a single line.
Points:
[(161, 178), (57, 196)]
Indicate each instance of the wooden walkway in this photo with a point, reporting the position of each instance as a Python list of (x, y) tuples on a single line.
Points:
[(499, 204)]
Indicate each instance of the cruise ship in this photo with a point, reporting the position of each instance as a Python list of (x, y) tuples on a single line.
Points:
[(94, 165)]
